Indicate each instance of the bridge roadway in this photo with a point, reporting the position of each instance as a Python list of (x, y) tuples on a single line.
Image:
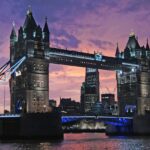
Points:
[(120, 121), (73, 58), (81, 59)]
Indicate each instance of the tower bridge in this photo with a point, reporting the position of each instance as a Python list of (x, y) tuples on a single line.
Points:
[(29, 89)]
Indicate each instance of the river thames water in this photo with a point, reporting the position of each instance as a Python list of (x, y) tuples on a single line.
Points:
[(83, 141)]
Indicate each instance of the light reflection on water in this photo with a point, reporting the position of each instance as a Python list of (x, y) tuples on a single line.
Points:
[(84, 141)]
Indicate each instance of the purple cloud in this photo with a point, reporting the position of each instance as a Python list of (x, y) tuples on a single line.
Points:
[(64, 39), (102, 44)]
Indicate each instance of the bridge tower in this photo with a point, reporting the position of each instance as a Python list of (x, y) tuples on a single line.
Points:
[(29, 87), (134, 84), (143, 85)]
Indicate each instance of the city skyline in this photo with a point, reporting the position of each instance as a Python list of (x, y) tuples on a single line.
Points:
[(77, 35)]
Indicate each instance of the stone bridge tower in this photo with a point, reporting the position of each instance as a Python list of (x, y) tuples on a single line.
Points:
[(143, 84), (29, 88), (134, 84)]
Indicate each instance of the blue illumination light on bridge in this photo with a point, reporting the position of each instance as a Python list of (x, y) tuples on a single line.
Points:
[(10, 116), (114, 123), (98, 57), (50, 53), (129, 64), (118, 121)]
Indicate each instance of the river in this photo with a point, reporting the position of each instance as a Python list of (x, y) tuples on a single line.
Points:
[(83, 141)]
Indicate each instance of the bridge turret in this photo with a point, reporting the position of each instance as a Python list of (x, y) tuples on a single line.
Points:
[(38, 35), (13, 40), (13, 36), (20, 34), (132, 42), (147, 45), (46, 32), (29, 26), (117, 52), (127, 54)]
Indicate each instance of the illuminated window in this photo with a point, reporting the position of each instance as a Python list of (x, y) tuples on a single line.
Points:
[(24, 35), (34, 34)]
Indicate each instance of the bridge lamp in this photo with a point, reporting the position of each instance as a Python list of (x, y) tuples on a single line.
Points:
[(34, 34), (103, 60), (18, 73), (24, 35), (20, 108), (133, 69), (120, 72), (98, 57), (44, 106)]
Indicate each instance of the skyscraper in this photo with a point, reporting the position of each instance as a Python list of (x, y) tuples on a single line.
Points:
[(90, 90)]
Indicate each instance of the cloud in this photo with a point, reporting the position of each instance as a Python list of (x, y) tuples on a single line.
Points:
[(64, 39), (133, 6), (102, 44), (55, 68), (1, 43), (3, 60)]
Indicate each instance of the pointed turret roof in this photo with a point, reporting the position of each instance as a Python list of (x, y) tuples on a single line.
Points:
[(117, 51), (127, 53), (13, 32), (38, 31), (20, 30), (20, 33), (46, 29), (29, 21), (132, 42), (147, 45)]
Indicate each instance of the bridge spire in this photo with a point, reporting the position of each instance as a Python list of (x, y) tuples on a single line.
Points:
[(29, 10), (13, 32), (29, 24), (132, 33), (117, 51), (147, 45), (132, 42), (46, 31)]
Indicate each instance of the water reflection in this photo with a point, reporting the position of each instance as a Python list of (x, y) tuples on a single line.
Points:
[(83, 141)]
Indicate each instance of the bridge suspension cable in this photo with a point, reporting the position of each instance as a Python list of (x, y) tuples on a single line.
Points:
[(4, 67), (6, 72)]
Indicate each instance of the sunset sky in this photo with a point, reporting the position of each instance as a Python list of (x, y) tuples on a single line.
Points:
[(81, 25)]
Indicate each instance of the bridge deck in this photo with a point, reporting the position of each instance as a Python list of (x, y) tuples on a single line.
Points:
[(81, 59)]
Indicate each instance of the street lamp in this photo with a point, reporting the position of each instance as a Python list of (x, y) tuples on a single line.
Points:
[(44, 106)]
